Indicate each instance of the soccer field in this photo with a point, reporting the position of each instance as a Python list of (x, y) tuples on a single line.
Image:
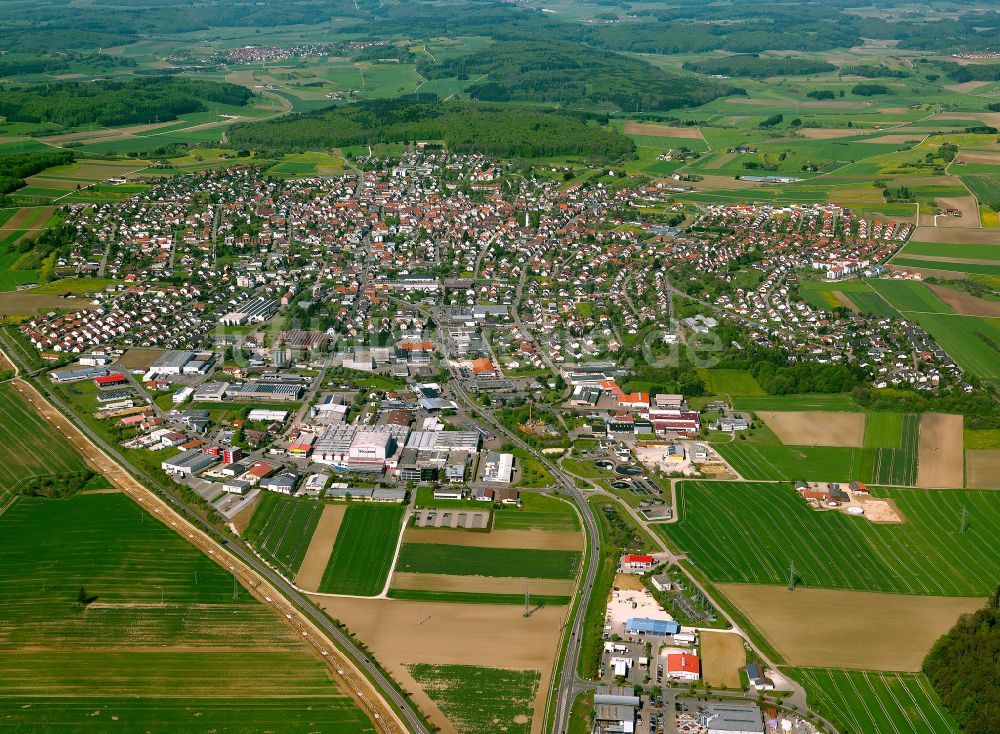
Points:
[(752, 532), (363, 551), (865, 702)]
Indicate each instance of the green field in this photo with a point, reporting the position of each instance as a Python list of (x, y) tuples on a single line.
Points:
[(836, 401), (888, 463), (464, 597), (30, 446), (165, 644), (363, 551), (809, 463), (730, 382), (538, 512), (750, 533), (985, 187), (968, 340), (883, 430), (462, 560), (480, 700), (281, 529), (868, 702), (954, 267), (970, 252), (910, 295)]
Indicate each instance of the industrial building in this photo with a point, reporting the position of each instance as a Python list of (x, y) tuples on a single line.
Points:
[(732, 718), (499, 468), (255, 311), (645, 626), (188, 463), (266, 391)]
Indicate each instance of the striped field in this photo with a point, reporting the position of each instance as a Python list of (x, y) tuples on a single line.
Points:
[(744, 532), (865, 702)]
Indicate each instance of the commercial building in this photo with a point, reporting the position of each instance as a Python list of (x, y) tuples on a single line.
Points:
[(637, 563), (646, 626), (188, 463), (254, 311), (683, 666), (499, 468), (732, 718), (255, 390)]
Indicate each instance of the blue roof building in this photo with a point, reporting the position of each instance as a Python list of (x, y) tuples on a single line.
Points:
[(644, 626)]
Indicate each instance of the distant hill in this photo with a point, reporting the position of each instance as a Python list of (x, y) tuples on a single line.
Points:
[(574, 76), (110, 103), (464, 127)]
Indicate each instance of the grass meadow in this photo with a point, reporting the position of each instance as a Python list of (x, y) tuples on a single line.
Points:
[(539, 512), (29, 446), (835, 401), (866, 702), (164, 645), (480, 700), (474, 561), (363, 551), (281, 529), (750, 532)]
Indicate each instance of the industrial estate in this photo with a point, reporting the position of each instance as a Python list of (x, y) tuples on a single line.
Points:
[(489, 367)]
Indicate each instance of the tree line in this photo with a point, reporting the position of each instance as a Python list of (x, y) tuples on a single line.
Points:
[(757, 67), (463, 127), (573, 75), (964, 668), (110, 103), (16, 167)]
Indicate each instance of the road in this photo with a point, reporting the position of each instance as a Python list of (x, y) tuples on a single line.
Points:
[(371, 688)]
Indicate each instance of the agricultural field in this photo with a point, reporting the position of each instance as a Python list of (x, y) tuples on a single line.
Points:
[(164, 637), (985, 187), (875, 703), (796, 402), (723, 657), (891, 449), (428, 558), (30, 446), (362, 554), (926, 554), (281, 529), (730, 382), (809, 463), (539, 512), (897, 633), (480, 700)]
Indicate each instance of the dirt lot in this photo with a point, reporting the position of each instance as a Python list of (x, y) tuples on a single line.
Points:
[(965, 204), (849, 629), (722, 657), (140, 359), (809, 428), (957, 235), (481, 584), (942, 274), (969, 156), (320, 545), (547, 540), (490, 635), (983, 468), (846, 300), (628, 582), (895, 139), (242, 519), (26, 303), (828, 133), (662, 131), (966, 304), (940, 461)]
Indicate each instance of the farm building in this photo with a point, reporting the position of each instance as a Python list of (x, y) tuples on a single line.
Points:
[(636, 564), (645, 626), (682, 666), (732, 718)]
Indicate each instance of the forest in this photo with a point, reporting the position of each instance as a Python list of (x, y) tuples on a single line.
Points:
[(16, 167), (573, 75), (109, 103), (757, 67), (964, 668), (463, 127)]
